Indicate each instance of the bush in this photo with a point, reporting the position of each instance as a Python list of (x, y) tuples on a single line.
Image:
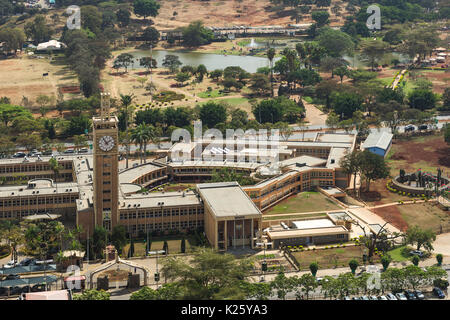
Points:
[(439, 259), (441, 283)]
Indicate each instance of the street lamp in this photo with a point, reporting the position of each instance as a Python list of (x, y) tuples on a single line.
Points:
[(157, 273), (264, 263)]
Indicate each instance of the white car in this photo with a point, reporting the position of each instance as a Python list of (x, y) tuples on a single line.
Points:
[(9, 265)]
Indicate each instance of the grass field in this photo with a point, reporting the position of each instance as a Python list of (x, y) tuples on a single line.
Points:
[(397, 255), (329, 258), (300, 216), (304, 202), (425, 215), (174, 244)]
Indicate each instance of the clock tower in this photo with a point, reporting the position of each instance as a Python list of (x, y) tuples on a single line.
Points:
[(106, 166)]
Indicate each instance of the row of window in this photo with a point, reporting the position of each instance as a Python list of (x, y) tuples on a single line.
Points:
[(32, 167), (160, 213), (166, 225), (35, 200)]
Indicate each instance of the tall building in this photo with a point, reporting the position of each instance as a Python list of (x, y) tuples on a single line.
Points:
[(106, 162)]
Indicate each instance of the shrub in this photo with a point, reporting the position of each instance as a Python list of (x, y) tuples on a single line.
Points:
[(439, 259)]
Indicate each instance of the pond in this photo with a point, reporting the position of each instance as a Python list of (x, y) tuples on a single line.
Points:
[(210, 60)]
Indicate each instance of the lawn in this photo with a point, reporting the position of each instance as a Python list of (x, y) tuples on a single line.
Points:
[(425, 215), (329, 258), (211, 94), (304, 202), (300, 216), (396, 254), (174, 244)]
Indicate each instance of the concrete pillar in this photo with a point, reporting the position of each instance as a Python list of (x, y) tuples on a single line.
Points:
[(234, 234), (225, 237), (252, 235)]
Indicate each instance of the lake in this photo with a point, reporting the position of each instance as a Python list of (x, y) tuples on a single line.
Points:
[(210, 60)]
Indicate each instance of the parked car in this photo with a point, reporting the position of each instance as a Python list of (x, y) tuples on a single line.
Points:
[(38, 287), (347, 298), (47, 152), (409, 127), (356, 298), (27, 262), (83, 150), (410, 295), (390, 296), (373, 298), (19, 155), (12, 277), (15, 291), (416, 253), (3, 291), (400, 296), (419, 295), (382, 298), (438, 293), (69, 151), (26, 289), (364, 298), (10, 264), (423, 127)]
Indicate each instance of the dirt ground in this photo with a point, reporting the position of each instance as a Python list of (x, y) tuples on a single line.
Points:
[(225, 13), (23, 76), (425, 215), (393, 215), (426, 153)]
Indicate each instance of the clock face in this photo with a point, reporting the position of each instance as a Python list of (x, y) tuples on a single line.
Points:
[(106, 143)]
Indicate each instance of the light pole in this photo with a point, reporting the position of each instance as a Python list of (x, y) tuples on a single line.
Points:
[(264, 264), (157, 273)]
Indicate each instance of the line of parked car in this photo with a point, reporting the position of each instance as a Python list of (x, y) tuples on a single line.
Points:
[(406, 295), (26, 262), (34, 153)]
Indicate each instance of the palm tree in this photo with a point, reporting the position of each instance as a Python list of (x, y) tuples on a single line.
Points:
[(55, 167), (126, 101), (149, 135), (270, 56), (140, 135)]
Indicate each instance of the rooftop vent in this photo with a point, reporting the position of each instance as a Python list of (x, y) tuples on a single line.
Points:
[(332, 161)]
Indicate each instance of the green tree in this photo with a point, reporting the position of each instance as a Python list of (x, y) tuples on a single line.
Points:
[(353, 264), (335, 42), (373, 50), (183, 245), (150, 35), (146, 8), (38, 30), (345, 104), (313, 267), (124, 60), (282, 285), (123, 17), (92, 294), (259, 83), (271, 55), (415, 260), (212, 113), (13, 40), (119, 237), (182, 77), (321, 18), (422, 99), (99, 241), (373, 167), (165, 248), (171, 62), (420, 237), (195, 34), (207, 275), (385, 261)]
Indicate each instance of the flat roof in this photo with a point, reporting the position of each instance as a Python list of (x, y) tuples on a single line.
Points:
[(335, 137), (227, 199), (158, 200), (132, 174), (313, 223), (297, 233), (308, 160)]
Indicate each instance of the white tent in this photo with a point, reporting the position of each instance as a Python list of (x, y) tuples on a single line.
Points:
[(50, 45)]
